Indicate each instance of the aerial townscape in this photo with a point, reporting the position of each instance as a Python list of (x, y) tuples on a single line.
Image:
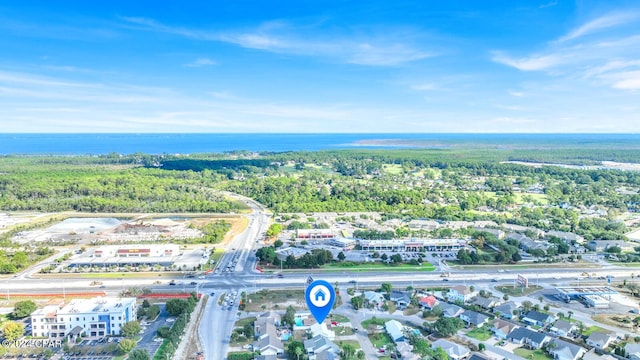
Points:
[(320, 180), (431, 254)]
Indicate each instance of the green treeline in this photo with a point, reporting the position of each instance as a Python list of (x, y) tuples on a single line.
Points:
[(315, 258), (214, 231), (459, 183), (12, 262), (109, 189)]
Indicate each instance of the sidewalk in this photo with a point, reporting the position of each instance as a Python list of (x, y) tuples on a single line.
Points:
[(188, 335)]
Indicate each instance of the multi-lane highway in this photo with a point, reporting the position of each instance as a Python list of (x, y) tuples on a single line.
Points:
[(235, 267)]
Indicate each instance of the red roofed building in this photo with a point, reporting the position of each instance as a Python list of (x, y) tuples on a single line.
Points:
[(428, 302)]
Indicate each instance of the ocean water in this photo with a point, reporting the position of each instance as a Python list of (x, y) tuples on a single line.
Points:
[(83, 144)]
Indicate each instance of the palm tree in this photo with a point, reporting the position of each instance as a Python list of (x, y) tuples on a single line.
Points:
[(298, 352)]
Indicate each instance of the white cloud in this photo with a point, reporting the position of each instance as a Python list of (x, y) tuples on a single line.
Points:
[(549, 4), (200, 62), (531, 63), (603, 60), (425, 87), (511, 120), (601, 23), (390, 49), (627, 80)]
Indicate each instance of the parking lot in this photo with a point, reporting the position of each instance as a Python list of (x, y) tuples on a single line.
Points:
[(148, 342)]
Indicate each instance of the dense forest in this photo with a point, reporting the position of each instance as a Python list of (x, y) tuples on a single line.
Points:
[(443, 184)]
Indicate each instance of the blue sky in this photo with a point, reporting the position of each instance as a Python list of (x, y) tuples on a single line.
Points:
[(320, 66)]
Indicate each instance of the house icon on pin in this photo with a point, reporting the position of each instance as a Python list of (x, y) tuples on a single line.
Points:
[(320, 296)]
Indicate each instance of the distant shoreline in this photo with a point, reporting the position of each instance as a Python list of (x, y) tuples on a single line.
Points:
[(193, 143)]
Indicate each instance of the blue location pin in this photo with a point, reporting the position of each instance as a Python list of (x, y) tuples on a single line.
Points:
[(320, 297)]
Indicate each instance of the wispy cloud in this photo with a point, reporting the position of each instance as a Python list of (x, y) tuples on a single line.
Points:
[(200, 62), (601, 23), (425, 87), (626, 80), (530, 63), (390, 49), (548, 5), (609, 57)]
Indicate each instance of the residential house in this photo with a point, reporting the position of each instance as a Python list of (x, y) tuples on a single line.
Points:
[(395, 330), (474, 318), (592, 355), (506, 310), (304, 320), (502, 328), (603, 245), (528, 244), (428, 302), (268, 342), (562, 328), (567, 237), (577, 249), (564, 350), (326, 355), (486, 303), (520, 228), (373, 298), (479, 356), (537, 318), (455, 351), (319, 344), (266, 357), (495, 232), (524, 336), (401, 298), (632, 350), (451, 310), (461, 293), (423, 224), (406, 351), (322, 330), (259, 326), (600, 340)]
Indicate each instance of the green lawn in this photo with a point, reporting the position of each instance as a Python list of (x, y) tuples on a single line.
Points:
[(532, 354), (339, 318), (480, 333), (593, 328), (271, 298), (217, 254), (357, 267), (380, 339), (342, 330), (353, 343), (245, 321), (393, 169), (374, 321), (117, 275), (518, 290)]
